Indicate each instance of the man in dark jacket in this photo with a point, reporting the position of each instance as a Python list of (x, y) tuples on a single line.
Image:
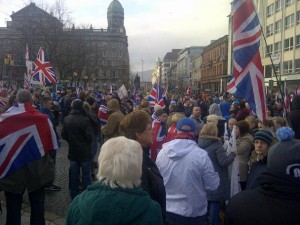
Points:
[(277, 199), (78, 132), (294, 116)]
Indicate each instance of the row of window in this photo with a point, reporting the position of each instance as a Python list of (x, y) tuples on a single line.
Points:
[(289, 21), (277, 6), (288, 68), (288, 45)]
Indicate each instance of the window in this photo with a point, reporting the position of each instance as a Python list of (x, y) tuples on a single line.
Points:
[(270, 10), (277, 47), (297, 65), (278, 5), (289, 21), (288, 44), (288, 67), (289, 2), (278, 26), (298, 17), (268, 71), (269, 50), (270, 30), (297, 41)]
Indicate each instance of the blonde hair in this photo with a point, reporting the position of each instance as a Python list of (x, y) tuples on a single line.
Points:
[(175, 118), (212, 118), (209, 129), (233, 120), (120, 163)]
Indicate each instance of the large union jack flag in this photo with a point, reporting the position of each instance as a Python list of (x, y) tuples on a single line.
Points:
[(156, 96), (248, 79), (43, 71), (26, 135)]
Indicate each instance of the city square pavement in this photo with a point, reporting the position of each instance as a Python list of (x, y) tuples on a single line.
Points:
[(57, 203)]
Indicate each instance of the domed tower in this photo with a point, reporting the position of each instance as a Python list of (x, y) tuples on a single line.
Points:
[(115, 16)]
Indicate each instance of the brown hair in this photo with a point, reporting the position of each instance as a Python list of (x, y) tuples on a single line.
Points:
[(134, 122), (243, 126)]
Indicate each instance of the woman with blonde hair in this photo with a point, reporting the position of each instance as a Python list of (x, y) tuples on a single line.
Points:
[(209, 141), (172, 130), (117, 197)]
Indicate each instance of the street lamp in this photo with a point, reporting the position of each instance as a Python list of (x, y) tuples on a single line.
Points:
[(8, 61)]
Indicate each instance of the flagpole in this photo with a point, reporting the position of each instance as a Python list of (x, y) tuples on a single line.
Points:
[(272, 63)]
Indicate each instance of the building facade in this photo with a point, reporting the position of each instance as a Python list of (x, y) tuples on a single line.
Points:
[(214, 66), (280, 53), (94, 58), (169, 61)]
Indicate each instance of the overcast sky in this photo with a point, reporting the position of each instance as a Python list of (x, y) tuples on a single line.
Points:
[(154, 27)]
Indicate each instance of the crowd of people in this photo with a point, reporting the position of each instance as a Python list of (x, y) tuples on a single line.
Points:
[(198, 160)]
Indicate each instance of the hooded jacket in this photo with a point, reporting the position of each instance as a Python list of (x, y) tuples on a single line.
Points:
[(188, 173), (101, 205), (275, 202), (115, 116)]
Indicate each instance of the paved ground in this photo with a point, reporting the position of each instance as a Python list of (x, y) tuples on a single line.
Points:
[(57, 203)]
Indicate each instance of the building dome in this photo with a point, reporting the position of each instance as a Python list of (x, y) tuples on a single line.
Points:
[(115, 7)]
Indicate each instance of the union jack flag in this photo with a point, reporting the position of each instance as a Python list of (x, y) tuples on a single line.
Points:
[(155, 96), (26, 135), (248, 79), (3, 102), (43, 71)]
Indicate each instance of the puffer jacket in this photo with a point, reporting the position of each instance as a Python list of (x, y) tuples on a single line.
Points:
[(78, 132)]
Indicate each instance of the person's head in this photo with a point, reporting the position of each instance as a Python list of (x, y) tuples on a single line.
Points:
[(264, 125), (186, 125), (209, 129), (252, 121), (176, 117), (278, 122), (212, 118), (262, 141), (231, 123), (120, 163), (137, 126), (113, 105), (77, 105), (196, 111), (24, 96), (162, 115), (172, 107), (47, 103), (92, 102), (242, 128)]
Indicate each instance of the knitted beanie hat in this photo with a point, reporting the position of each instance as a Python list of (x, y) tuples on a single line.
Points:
[(264, 135)]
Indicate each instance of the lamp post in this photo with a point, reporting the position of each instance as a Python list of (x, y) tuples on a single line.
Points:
[(74, 78), (8, 61)]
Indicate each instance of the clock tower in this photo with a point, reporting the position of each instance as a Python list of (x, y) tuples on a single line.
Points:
[(115, 17)]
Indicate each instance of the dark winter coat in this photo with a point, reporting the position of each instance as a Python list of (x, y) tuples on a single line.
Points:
[(255, 170), (275, 202), (152, 181), (220, 161), (79, 133), (294, 116)]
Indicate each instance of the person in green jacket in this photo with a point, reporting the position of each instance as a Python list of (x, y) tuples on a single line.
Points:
[(117, 197)]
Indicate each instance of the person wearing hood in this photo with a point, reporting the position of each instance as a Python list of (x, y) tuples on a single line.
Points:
[(116, 198), (78, 132), (210, 141), (294, 116), (276, 200), (111, 129), (182, 162)]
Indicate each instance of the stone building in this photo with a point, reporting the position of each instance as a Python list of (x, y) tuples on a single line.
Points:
[(214, 66), (94, 58)]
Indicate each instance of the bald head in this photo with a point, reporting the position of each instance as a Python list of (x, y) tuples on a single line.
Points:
[(24, 96)]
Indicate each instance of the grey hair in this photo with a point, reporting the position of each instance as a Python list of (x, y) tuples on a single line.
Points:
[(24, 96)]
